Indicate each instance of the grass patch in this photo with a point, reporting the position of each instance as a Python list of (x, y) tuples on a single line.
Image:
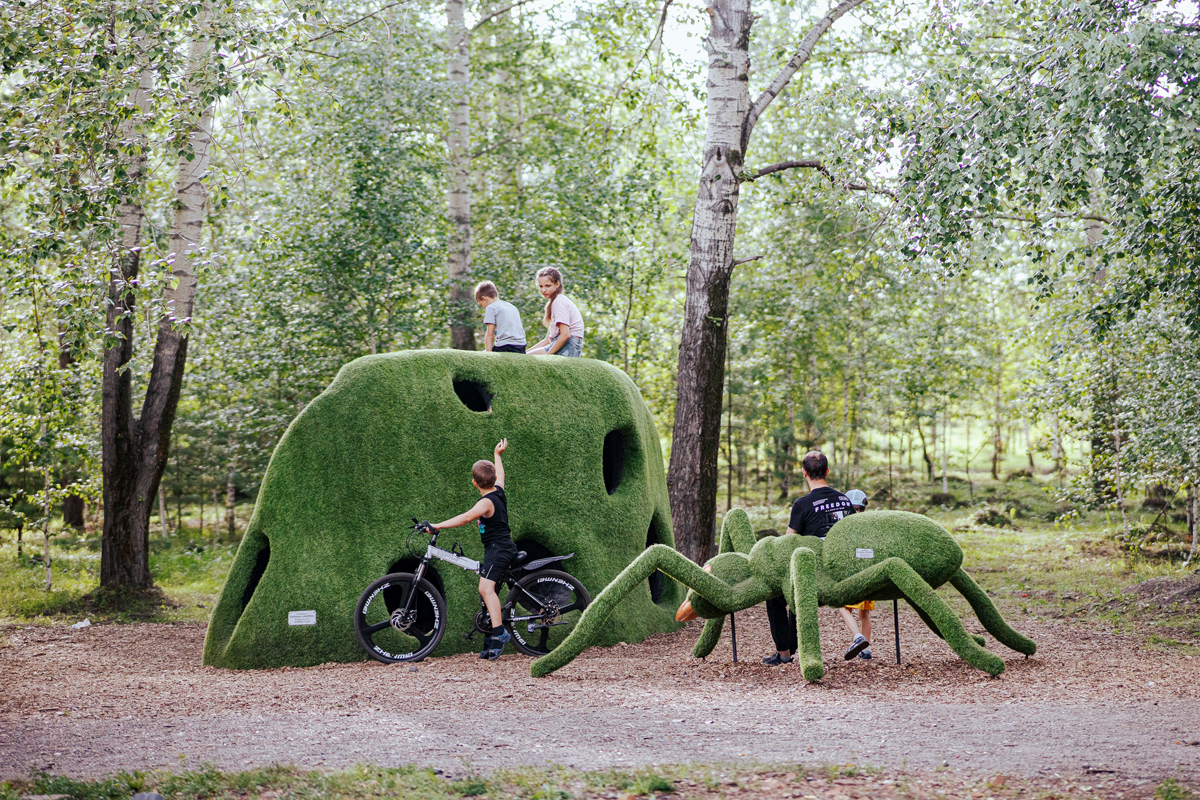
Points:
[(188, 571), (708, 781)]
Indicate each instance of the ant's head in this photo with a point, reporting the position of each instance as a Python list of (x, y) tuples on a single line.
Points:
[(731, 569)]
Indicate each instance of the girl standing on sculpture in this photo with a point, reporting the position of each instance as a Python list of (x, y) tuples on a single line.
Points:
[(564, 323)]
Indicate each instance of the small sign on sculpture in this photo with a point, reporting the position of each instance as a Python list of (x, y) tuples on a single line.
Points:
[(302, 618)]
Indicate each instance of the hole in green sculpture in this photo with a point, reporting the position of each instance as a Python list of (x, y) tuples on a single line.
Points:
[(655, 581), (410, 563), (473, 394), (260, 566), (614, 460)]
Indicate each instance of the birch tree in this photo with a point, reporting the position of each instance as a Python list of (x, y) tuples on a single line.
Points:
[(458, 145), (731, 116), (100, 92)]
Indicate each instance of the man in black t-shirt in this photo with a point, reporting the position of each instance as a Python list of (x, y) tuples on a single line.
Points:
[(812, 515)]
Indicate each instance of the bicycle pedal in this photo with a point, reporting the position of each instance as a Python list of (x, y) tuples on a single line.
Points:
[(468, 636)]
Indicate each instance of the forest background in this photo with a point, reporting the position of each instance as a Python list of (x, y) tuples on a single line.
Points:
[(966, 243)]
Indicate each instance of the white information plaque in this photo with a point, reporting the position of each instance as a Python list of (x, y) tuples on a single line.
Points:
[(302, 618), (859, 552)]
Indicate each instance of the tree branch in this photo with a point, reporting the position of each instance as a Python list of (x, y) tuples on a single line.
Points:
[(363, 18), (495, 14), (498, 143), (750, 177), (662, 21), (1032, 219), (803, 53), (747, 260)]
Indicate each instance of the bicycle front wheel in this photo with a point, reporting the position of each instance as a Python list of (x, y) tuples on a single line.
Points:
[(399, 618), (542, 609)]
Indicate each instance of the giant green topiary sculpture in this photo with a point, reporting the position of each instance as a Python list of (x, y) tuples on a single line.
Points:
[(880, 555), (394, 437)]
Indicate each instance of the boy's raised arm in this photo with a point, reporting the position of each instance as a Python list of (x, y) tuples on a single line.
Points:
[(501, 446)]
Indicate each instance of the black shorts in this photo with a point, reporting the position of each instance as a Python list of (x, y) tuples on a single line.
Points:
[(509, 348), (496, 560)]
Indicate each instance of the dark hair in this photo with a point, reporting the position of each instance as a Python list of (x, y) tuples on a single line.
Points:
[(556, 276), (816, 466), (484, 473), (485, 289)]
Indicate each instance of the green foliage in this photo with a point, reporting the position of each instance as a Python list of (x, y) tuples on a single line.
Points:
[(650, 783), (1086, 112), (119, 787), (390, 439), (1171, 790), (469, 787)]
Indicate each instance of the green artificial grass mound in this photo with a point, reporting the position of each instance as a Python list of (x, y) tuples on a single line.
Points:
[(393, 437), (860, 540)]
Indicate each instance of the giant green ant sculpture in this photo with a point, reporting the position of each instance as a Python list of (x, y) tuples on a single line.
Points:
[(880, 555)]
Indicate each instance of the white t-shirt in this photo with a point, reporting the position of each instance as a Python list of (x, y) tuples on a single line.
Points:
[(563, 310)]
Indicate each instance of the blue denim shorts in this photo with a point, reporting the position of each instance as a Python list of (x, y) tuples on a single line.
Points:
[(573, 347)]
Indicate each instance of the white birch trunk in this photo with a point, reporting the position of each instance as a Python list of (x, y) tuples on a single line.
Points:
[(945, 451), (714, 220), (162, 511), (1193, 518), (458, 144), (692, 478), (46, 528)]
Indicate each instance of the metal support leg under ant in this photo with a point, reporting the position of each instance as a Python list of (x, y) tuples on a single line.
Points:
[(896, 620), (733, 636)]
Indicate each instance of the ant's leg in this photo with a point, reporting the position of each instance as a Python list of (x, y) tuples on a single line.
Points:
[(655, 557), (921, 595), (803, 592), (709, 637), (737, 535), (983, 607)]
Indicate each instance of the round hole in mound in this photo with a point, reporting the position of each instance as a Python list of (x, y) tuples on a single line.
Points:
[(614, 460), (410, 564), (473, 394), (260, 566), (655, 581)]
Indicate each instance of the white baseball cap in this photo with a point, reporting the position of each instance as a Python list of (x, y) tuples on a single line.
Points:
[(857, 498)]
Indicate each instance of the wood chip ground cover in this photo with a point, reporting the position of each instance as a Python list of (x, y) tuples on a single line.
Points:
[(1092, 709)]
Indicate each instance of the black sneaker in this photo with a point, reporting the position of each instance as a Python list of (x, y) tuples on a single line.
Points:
[(865, 655), (487, 646), (776, 660), (857, 646)]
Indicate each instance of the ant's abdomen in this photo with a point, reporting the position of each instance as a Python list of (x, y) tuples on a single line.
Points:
[(860, 541)]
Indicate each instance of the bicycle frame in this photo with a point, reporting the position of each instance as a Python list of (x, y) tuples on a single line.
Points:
[(432, 551)]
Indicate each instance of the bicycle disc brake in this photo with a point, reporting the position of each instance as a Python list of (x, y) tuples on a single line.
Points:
[(403, 620), (551, 616)]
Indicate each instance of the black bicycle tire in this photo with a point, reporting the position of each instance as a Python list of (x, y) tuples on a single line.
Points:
[(373, 593), (515, 594)]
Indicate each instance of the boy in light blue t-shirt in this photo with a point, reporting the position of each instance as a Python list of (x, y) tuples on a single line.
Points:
[(505, 333)]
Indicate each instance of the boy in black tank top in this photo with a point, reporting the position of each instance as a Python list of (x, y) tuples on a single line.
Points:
[(498, 547)]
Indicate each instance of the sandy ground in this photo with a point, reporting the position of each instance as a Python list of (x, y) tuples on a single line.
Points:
[(1089, 705)]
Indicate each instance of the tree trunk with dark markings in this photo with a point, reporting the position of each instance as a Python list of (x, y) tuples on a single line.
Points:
[(692, 478)]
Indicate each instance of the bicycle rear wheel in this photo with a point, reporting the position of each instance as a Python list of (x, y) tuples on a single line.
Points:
[(390, 634), (542, 609)]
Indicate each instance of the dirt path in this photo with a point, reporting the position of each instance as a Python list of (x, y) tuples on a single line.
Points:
[(109, 698)]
